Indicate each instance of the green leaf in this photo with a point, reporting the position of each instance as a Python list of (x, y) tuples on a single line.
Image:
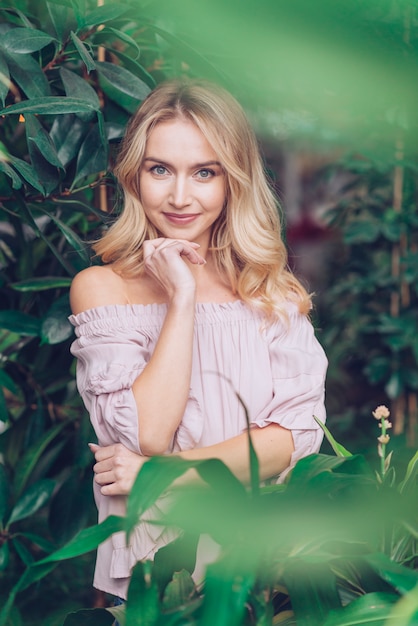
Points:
[(4, 556), (9, 171), (41, 284), (4, 493), (361, 232), (67, 133), (337, 447), (27, 73), (410, 481), (122, 80), (23, 552), (35, 496), (401, 578), (61, 19), (54, 105), (30, 458), (4, 79), (7, 382), (83, 52), (89, 617), (28, 173), (73, 239), (104, 14), (77, 87), (370, 609), (55, 326), (179, 591), (37, 134), (20, 323), (142, 606), (93, 155), (25, 40), (4, 413)]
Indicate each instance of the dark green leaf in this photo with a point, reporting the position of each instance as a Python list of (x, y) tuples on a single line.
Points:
[(25, 40), (46, 172), (37, 134), (73, 239), (28, 173), (401, 578), (7, 382), (27, 73), (4, 413), (77, 87), (83, 52), (67, 133), (54, 105), (70, 507), (30, 458), (55, 325), (131, 64), (4, 556), (42, 284), (361, 232), (4, 493), (32, 500), (89, 617), (104, 14), (41, 542), (410, 481), (93, 155), (23, 552), (61, 18), (9, 171), (142, 606), (4, 79), (179, 591), (20, 323), (123, 80), (370, 609)]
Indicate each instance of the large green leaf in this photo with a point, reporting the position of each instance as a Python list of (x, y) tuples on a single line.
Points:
[(67, 133), (73, 239), (25, 40), (142, 607), (83, 52), (371, 609), (37, 134), (62, 19), (55, 326), (54, 105), (30, 458), (35, 496), (27, 73), (337, 447), (20, 323), (77, 87), (93, 155), (28, 173), (401, 578), (7, 382), (9, 171), (409, 484), (122, 80), (42, 284)]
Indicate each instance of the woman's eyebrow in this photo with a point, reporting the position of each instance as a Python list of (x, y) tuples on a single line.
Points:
[(195, 165)]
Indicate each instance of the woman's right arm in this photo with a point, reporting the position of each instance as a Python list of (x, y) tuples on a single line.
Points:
[(161, 390)]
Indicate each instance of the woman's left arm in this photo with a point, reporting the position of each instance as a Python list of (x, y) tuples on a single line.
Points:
[(117, 467)]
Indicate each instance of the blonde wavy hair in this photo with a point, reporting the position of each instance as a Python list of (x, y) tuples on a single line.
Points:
[(246, 239)]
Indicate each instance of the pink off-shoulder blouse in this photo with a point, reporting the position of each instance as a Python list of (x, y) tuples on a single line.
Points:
[(277, 369)]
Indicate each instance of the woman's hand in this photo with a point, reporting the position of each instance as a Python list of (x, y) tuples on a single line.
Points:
[(163, 261), (116, 468)]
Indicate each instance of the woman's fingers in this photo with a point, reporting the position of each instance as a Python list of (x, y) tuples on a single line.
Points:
[(179, 247)]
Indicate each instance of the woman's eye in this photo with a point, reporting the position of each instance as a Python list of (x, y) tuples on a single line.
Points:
[(205, 173), (160, 170)]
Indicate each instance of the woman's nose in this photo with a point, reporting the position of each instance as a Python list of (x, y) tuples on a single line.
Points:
[(180, 193)]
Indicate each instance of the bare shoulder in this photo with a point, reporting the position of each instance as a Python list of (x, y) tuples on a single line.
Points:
[(96, 286)]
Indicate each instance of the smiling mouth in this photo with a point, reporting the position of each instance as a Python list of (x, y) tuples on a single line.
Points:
[(179, 218)]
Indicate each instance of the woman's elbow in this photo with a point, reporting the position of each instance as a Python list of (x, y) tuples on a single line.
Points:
[(153, 444)]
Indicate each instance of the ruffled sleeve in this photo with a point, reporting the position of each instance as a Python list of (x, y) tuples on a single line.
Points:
[(111, 352), (298, 366)]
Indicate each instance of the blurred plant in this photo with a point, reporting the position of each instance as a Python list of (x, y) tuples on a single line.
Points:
[(331, 547)]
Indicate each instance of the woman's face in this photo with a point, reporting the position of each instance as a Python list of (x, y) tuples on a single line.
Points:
[(182, 183)]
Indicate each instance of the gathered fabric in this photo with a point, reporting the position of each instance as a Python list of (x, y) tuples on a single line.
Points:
[(275, 372)]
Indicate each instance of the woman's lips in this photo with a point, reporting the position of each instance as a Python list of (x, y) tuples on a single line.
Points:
[(178, 218)]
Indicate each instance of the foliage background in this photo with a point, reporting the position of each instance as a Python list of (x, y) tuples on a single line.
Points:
[(334, 81)]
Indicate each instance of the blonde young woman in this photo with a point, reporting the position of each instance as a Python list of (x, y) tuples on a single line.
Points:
[(193, 303)]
